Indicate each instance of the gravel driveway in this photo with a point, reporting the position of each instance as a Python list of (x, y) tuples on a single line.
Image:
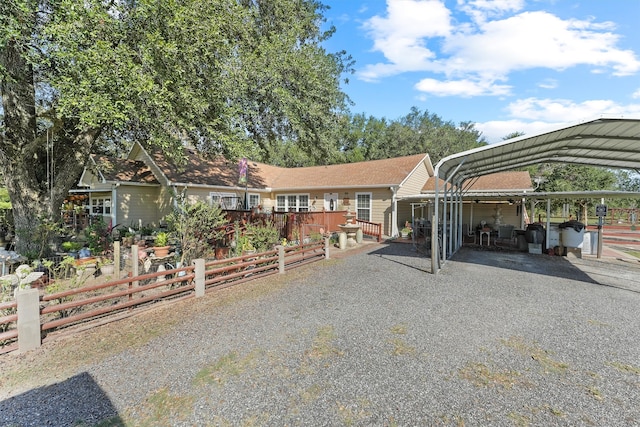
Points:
[(496, 338)]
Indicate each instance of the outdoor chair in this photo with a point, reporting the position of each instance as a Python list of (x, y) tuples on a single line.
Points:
[(506, 232)]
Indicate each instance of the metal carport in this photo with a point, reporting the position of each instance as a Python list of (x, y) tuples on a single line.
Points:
[(605, 142)]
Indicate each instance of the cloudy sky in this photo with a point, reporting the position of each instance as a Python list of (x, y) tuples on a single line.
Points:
[(506, 65)]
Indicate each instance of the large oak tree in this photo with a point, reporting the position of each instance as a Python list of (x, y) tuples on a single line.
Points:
[(236, 77)]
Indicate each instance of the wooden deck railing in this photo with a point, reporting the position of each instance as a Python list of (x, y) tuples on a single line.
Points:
[(120, 297), (373, 229)]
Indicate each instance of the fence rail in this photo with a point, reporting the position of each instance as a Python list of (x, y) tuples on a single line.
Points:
[(89, 303), (373, 229)]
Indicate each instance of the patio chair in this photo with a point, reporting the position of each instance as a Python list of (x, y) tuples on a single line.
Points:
[(506, 232)]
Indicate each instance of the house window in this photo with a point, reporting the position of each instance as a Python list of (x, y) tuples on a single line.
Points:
[(101, 206), (254, 200), (292, 202), (363, 206), (226, 200)]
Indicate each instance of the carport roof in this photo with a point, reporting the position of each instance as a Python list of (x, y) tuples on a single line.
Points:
[(606, 142)]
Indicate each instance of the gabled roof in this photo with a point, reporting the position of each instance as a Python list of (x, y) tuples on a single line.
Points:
[(221, 172), (373, 173), (500, 181), (111, 169)]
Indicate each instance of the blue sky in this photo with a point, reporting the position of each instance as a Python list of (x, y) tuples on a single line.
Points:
[(505, 65)]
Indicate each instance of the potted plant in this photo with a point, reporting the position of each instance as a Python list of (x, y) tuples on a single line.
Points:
[(71, 248), (161, 247), (406, 231)]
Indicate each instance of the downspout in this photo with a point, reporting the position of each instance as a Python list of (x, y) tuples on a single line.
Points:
[(114, 204), (394, 211)]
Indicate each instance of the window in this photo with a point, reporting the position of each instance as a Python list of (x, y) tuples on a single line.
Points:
[(226, 200), (292, 202), (363, 206), (101, 206), (254, 200)]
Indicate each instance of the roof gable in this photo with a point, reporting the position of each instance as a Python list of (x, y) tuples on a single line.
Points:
[(373, 173), (112, 169), (224, 173), (500, 181)]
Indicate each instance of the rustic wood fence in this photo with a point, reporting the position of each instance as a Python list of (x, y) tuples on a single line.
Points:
[(33, 315)]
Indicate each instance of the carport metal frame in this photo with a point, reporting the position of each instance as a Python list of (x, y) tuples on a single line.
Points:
[(605, 142)]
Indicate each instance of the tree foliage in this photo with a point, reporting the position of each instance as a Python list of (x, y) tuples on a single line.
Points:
[(418, 132), (228, 76)]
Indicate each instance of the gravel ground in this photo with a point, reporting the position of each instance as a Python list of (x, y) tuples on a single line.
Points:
[(496, 338)]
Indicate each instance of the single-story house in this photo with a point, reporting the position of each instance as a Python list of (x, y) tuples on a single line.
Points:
[(143, 188)]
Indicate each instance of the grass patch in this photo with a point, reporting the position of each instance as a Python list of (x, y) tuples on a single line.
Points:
[(481, 375), (399, 329), (322, 346), (160, 408), (229, 365), (354, 413), (594, 392), (519, 420), (625, 368), (536, 353), (632, 253), (401, 348)]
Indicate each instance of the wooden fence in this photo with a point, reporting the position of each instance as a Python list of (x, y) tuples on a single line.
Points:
[(299, 225), (121, 297)]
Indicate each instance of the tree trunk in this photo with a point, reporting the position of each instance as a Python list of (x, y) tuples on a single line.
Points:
[(42, 159)]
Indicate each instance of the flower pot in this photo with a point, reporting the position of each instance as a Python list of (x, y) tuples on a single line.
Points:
[(161, 251)]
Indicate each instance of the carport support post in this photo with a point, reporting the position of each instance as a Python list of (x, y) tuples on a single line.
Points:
[(599, 255), (547, 239)]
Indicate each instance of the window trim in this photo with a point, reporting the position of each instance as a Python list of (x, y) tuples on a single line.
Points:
[(298, 207), (370, 208), (222, 195)]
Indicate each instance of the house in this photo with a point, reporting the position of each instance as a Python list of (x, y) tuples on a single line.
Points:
[(143, 188)]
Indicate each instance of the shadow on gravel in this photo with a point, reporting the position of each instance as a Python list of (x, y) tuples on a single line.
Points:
[(53, 404), (404, 254), (546, 265)]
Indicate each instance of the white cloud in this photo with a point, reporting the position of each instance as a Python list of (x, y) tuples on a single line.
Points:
[(536, 39), (420, 35), (402, 36), (464, 88), (552, 110), (548, 84), (495, 131), (636, 94), (481, 10), (533, 115)]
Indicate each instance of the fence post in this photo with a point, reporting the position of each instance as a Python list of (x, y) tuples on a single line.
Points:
[(135, 263), (326, 247), (199, 272), (116, 259), (280, 259), (28, 301)]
